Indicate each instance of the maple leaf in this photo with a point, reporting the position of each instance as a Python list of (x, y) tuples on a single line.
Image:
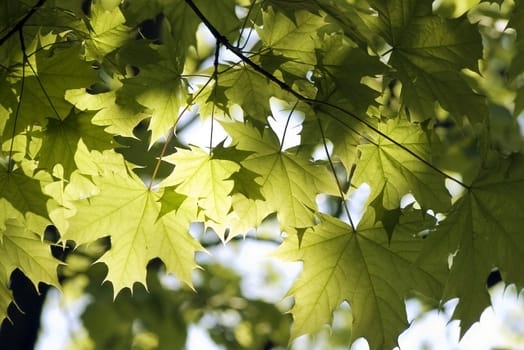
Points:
[(8, 100), (249, 214), (250, 90), (60, 141), (384, 166), (365, 73), (429, 65), (222, 14), (134, 238), (56, 71), (364, 268), (5, 294), (348, 17), (120, 115), (516, 22), (163, 91), (482, 231), (108, 31), (183, 25), (24, 193), (339, 74), (517, 67), (23, 249), (295, 39), (289, 181), (198, 175)]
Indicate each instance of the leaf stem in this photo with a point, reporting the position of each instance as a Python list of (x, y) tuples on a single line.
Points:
[(215, 77), (244, 27), (172, 133), (334, 172), (43, 89), (287, 125), (10, 163)]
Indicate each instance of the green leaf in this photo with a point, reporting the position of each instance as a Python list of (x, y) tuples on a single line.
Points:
[(61, 137), (120, 115), (127, 211), (388, 217), (108, 31), (171, 241), (516, 22), (6, 297), (250, 90), (248, 214), (221, 13), (341, 71), (23, 192), (358, 267), (171, 201), (56, 71), (482, 231), (23, 249), (198, 175), (429, 65), (161, 88), (394, 172), (289, 181), (244, 179), (295, 39)]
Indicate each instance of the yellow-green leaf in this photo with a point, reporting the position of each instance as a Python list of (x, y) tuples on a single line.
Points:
[(364, 268)]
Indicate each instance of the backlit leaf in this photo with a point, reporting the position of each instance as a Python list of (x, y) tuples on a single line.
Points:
[(385, 167), (483, 230), (113, 213), (363, 268), (206, 179), (289, 181)]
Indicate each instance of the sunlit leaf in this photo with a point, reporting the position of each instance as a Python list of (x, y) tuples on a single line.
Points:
[(206, 179), (119, 200), (482, 232), (384, 166), (358, 267)]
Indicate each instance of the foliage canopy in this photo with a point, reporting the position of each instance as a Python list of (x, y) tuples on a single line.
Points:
[(405, 97)]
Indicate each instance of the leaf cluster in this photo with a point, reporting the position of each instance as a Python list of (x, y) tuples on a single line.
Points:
[(403, 97)]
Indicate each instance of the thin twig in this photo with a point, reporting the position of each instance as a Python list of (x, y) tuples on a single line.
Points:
[(287, 125), (215, 77), (334, 172), (20, 24), (172, 133), (10, 164), (48, 98)]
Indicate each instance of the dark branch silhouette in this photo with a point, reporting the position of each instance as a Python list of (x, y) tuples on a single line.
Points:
[(20, 24), (312, 102)]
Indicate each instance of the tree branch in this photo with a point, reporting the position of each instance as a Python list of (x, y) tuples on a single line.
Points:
[(284, 86), (18, 26)]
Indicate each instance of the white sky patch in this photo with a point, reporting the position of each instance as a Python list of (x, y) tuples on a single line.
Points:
[(406, 200), (320, 151), (59, 320), (248, 39), (520, 121), (455, 189), (198, 133), (252, 261), (283, 115), (356, 204), (198, 338)]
